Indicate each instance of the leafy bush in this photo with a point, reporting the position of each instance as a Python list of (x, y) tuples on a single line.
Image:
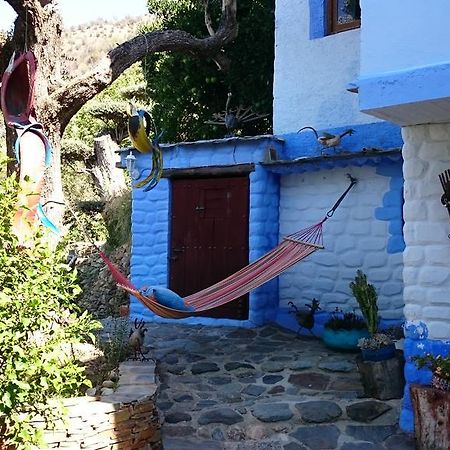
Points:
[(117, 216), (187, 91), (38, 325), (439, 365), (345, 321)]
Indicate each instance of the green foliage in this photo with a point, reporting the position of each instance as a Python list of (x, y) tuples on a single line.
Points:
[(439, 365), (345, 321), (115, 347), (367, 297), (187, 91), (117, 216), (38, 324)]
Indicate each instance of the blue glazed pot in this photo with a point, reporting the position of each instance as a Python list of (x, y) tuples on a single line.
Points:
[(379, 354), (343, 339)]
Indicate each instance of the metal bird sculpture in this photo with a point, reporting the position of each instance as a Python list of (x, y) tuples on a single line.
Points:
[(444, 178), (326, 139), (233, 119), (136, 339), (139, 124), (155, 174), (305, 318)]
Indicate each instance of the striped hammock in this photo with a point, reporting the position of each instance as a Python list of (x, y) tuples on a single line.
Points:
[(291, 250)]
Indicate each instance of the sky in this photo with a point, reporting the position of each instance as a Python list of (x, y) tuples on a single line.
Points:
[(75, 12)]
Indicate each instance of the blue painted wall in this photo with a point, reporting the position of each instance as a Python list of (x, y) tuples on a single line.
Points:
[(151, 210), (417, 343), (151, 220)]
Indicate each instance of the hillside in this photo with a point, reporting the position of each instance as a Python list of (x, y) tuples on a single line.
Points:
[(85, 44)]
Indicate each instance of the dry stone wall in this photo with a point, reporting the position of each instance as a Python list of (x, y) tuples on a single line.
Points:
[(125, 418)]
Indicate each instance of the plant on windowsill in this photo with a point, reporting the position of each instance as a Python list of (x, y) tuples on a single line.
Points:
[(342, 331), (378, 346)]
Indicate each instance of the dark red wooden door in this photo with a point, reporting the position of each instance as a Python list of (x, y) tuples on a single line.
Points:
[(209, 236)]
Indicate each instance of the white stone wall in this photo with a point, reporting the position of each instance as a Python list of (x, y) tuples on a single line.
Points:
[(353, 240), (311, 75), (427, 255)]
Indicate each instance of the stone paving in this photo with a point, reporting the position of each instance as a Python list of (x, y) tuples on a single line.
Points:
[(264, 389)]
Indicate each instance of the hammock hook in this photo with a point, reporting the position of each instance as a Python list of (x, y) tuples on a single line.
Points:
[(353, 181)]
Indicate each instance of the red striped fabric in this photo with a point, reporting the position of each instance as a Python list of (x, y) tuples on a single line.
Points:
[(290, 251)]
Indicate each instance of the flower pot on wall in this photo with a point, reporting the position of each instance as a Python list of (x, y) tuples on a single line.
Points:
[(343, 339), (378, 354)]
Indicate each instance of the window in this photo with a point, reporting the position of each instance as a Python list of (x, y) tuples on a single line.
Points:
[(343, 15)]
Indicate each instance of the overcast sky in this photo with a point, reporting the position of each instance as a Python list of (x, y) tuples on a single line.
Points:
[(75, 12)]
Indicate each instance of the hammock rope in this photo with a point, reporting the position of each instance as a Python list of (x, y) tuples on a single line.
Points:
[(290, 251)]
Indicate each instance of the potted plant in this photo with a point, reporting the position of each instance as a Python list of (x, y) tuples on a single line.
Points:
[(431, 404), (342, 331), (378, 346), (440, 369)]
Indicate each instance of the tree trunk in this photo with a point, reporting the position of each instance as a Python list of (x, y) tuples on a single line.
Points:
[(431, 417), (109, 180), (38, 27)]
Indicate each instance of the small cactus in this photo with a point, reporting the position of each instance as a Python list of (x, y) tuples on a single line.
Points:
[(366, 296)]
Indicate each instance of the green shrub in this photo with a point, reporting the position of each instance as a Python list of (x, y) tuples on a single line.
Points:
[(38, 326), (117, 216)]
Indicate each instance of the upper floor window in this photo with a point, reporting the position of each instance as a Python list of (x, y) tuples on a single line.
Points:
[(343, 15)]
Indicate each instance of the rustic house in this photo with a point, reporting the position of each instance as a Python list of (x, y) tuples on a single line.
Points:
[(224, 203)]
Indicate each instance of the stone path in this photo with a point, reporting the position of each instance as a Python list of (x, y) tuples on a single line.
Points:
[(264, 389)]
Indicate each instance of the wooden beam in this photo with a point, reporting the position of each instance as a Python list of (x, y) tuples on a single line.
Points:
[(213, 171)]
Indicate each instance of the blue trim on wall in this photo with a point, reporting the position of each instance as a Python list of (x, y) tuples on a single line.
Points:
[(417, 343), (421, 84), (317, 19), (392, 206), (381, 135)]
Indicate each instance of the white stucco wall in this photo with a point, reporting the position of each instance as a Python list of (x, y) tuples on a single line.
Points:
[(353, 240), (311, 75), (427, 255), (403, 34)]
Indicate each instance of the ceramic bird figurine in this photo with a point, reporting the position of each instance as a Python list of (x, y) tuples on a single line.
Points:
[(139, 124), (326, 139), (305, 318)]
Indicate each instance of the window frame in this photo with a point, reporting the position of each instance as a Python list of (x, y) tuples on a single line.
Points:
[(333, 26)]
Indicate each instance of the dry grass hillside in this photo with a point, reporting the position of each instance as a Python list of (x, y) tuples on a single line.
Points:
[(85, 44)]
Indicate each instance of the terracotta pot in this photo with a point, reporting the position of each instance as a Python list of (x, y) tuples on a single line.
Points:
[(124, 310)]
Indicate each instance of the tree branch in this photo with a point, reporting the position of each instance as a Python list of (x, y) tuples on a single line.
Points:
[(69, 99), (22, 6)]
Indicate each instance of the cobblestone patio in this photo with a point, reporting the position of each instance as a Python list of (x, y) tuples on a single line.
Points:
[(264, 389)]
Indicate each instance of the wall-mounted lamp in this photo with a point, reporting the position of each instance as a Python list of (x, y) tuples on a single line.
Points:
[(130, 162)]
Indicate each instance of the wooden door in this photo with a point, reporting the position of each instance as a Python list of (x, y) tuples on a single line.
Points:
[(209, 236)]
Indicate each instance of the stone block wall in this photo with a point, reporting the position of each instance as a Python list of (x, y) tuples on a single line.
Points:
[(125, 419), (426, 276), (358, 236)]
